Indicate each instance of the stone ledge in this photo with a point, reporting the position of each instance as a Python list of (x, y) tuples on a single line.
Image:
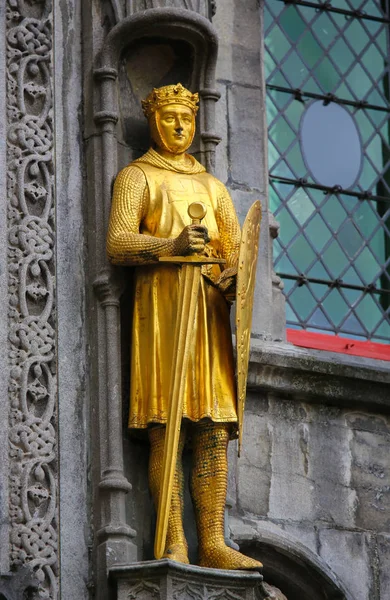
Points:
[(317, 376), (168, 580)]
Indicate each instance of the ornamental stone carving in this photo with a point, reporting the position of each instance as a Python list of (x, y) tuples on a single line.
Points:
[(32, 336)]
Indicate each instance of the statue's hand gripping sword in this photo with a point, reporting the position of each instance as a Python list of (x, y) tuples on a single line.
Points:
[(185, 323)]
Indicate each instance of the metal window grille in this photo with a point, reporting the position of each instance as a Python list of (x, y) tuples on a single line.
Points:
[(333, 252)]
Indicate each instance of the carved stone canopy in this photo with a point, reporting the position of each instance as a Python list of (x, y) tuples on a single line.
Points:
[(206, 8)]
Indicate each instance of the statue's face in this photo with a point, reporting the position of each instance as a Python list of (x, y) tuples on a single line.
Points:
[(176, 127)]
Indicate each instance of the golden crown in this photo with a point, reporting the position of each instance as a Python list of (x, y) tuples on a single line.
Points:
[(169, 94)]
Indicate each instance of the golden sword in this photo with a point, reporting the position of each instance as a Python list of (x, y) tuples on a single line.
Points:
[(186, 315)]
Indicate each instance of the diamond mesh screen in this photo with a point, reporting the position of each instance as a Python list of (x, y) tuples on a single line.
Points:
[(333, 250)]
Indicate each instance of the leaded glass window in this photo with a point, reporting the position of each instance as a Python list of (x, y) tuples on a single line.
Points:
[(327, 70)]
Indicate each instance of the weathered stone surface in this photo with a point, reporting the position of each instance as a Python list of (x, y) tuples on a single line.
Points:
[(72, 321), (371, 478), (254, 465), (384, 565), (238, 27), (221, 126), (348, 555), (245, 131)]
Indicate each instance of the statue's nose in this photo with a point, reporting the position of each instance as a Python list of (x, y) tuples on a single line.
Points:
[(179, 129)]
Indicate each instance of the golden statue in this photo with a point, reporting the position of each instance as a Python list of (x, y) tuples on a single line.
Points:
[(151, 228)]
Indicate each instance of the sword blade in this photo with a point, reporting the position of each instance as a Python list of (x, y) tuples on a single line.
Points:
[(186, 315)]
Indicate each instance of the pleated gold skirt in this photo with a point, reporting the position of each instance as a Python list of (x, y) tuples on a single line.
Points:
[(210, 390)]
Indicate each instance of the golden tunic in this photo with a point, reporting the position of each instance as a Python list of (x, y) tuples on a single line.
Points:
[(150, 202)]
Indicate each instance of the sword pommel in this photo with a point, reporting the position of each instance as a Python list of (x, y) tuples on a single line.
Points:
[(197, 212)]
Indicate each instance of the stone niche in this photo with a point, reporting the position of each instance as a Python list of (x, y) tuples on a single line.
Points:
[(148, 63)]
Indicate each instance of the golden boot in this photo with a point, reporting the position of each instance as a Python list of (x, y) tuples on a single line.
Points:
[(208, 488), (176, 547)]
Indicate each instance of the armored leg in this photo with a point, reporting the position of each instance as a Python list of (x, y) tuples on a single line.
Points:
[(176, 545), (208, 488)]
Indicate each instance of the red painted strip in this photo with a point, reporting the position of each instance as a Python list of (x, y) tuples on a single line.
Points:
[(334, 343)]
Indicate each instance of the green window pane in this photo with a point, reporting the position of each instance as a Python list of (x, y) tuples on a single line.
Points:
[(277, 249), (294, 113), (368, 176), (282, 169), (378, 247), (275, 7), (342, 56), (344, 92), (374, 151), (277, 78), (274, 200), (326, 75), (302, 302), (369, 312), (334, 213), (319, 290), (269, 65), (376, 97), (353, 326), (365, 126), (295, 160), (367, 266), (277, 43), (291, 317), (292, 23), (324, 30), (351, 277), (301, 206), (318, 233), (359, 82), (352, 296), (366, 219), (320, 321), (309, 49), (372, 59), (383, 331), (288, 227), (335, 307), (373, 27), (295, 70), (281, 134), (284, 190), (279, 99), (356, 36), (312, 86), (350, 239), (284, 265), (335, 259), (268, 19), (318, 271), (301, 254)]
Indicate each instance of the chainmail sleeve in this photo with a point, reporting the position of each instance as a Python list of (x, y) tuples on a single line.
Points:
[(125, 244), (228, 226)]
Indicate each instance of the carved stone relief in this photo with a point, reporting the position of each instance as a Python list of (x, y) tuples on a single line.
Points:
[(144, 590), (32, 335)]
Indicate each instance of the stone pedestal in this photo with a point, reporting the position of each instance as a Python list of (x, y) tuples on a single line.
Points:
[(168, 580)]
